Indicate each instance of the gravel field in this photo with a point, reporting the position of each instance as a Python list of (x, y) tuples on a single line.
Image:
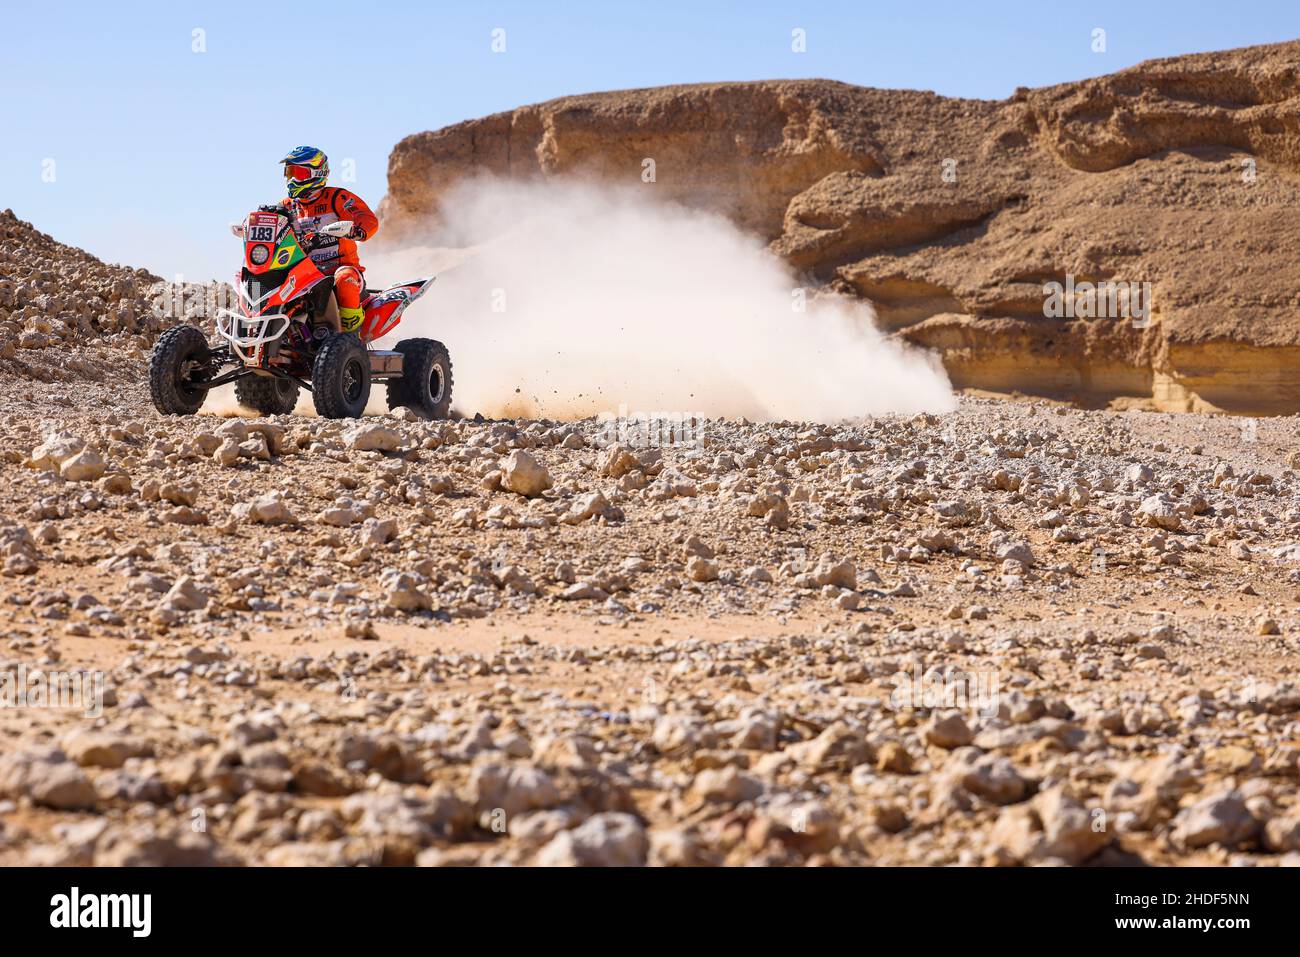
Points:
[(1018, 633)]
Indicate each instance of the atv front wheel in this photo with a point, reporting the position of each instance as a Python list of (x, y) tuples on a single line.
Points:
[(340, 377), (178, 367), (425, 385), (269, 395)]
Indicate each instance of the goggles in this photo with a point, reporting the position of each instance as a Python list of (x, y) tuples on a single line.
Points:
[(299, 173)]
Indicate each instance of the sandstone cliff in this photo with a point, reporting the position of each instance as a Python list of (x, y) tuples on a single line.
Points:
[(950, 215)]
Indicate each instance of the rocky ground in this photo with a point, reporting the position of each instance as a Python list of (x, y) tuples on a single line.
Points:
[(1019, 633)]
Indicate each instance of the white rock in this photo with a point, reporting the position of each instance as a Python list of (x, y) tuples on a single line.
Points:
[(372, 438), (948, 732), (404, 594), (48, 777), (85, 466), (513, 788), (727, 785), (841, 574), (586, 507), (700, 569), (1158, 511), (608, 839), (524, 475), (55, 450), (184, 596), (268, 509), (1017, 551), (227, 453), (1219, 819), (1052, 827), (340, 516), (235, 430)]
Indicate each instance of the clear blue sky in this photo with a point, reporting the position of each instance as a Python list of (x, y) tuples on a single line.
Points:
[(157, 147)]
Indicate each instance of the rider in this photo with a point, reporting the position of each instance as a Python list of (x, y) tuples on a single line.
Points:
[(305, 171)]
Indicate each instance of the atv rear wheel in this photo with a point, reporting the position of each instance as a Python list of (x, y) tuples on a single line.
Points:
[(425, 385), (340, 377), (178, 367), (269, 395)]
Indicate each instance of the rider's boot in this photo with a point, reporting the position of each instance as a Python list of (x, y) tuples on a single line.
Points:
[(347, 289), (351, 318)]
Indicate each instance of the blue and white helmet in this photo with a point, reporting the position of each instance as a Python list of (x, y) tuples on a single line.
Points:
[(305, 171)]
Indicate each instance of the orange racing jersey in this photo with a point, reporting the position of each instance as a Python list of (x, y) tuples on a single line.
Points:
[(330, 205)]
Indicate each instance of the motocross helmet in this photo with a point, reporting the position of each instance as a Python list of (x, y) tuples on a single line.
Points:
[(305, 171)]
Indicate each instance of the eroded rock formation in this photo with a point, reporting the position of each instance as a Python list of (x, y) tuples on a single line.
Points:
[(951, 215)]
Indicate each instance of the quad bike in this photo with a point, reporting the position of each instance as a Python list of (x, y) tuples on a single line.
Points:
[(282, 338)]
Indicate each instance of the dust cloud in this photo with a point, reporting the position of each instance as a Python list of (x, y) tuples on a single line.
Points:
[(563, 300)]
